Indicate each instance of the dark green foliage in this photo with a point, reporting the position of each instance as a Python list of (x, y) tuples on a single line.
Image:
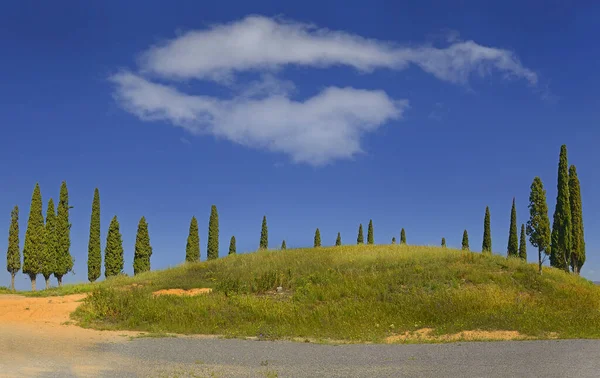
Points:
[(402, 237), (64, 261), (360, 239), (143, 249), (13, 254), (538, 225), (465, 241), (393, 240), (192, 248), (48, 258), (264, 234), (370, 237), (523, 244), (283, 245), (94, 247), (443, 242), (212, 249), (486, 246), (560, 250), (113, 252), (513, 239), (232, 250), (338, 240), (34, 238), (317, 238), (577, 240)]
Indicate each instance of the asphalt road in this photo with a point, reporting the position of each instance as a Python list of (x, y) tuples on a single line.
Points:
[(197, 357)]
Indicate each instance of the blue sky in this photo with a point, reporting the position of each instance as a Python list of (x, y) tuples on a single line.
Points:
[(318, 114)]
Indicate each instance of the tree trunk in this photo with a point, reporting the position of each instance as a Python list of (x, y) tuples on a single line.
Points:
[(59, 278), (540, 259), (32, 283), (12, 281), (47, 282)]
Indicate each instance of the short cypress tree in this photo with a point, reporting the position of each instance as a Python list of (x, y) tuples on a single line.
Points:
[(13, 254), (513, 239), (402, 236), (370, 237), (113, 252), (34, 238), (64, 261), (192, 248), (48, 258), (465, 241), (486, 246), (212, 248), (317, 238), (94, 247), (338, 240), (283, 245), (143, 249), (393, 240), (523, 244), (560, 250), (264, 234), (577, 240), (443, 242), (538, 225), (360, 239), (232, 250)]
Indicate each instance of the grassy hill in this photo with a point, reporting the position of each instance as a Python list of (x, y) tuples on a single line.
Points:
[(351, 293)]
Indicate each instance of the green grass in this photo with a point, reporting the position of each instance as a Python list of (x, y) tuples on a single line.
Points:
[(350, 293)]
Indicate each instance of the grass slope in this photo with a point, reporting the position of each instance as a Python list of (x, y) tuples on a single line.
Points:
[(351, 293)]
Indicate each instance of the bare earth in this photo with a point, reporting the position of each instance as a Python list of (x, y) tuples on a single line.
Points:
[(36, 340)]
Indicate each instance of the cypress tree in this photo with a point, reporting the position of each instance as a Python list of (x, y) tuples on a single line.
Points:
[(232, 250), (34, 238), (94, 247), (393, 240), (338, 240), (264, 234), (48, 258), (113, 252), (317, 238), (513, 239), (64, 261), (443, 242), (465, 241), (402, 236), (578, 242), (523, 244), (212, 249), (360, 239), (538, 225), (13, 254), (283, 245), (560, 250), (143, 249), (192, 248), (486, 246), (370, 238)]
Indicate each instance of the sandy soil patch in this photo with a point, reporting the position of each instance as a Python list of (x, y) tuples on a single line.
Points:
[(425, 334), (182, 292)]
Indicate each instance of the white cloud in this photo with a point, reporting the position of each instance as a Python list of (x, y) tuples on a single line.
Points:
[(262, 113)]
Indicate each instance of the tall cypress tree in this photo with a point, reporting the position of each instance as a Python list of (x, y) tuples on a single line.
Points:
[(338, 240), (192, 248), (212, 248), (370, 237), (13, 254), (232, 248), (523, 244), (560, 251), (443, 242), (143, 249), (94, 247), (64, 261), (513, 239), (48, 258), (34, 238), (264, 234), (360, 239), (538, 225), (578, 242), (283, 245), (317, 238), (486, 246), (113, 252), (465, 241), (393, 240), (402, 236)]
